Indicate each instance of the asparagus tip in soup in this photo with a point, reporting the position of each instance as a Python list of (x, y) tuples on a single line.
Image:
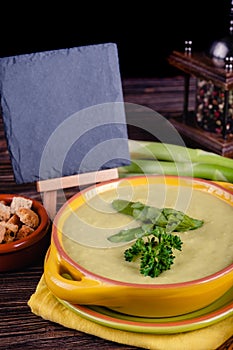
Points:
[(154, 239)]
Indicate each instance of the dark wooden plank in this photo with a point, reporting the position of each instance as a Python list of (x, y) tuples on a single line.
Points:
[(164, 96)]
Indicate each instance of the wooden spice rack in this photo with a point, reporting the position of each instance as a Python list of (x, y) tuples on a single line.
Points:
[(201, 66)]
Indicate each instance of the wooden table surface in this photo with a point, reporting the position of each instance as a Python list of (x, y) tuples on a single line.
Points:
[(19, 327)]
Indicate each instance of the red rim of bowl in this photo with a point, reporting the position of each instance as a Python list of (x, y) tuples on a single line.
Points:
[(35, 236), (88, 273)]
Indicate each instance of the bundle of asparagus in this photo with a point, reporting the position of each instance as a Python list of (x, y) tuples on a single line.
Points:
[(151, 157)]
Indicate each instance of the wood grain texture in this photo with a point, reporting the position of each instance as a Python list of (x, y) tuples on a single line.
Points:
[(19, 327)]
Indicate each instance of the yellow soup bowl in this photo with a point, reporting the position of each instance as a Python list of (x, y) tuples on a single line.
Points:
[(76, 282)]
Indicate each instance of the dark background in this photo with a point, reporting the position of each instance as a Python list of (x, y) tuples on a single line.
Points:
[(145, 33)]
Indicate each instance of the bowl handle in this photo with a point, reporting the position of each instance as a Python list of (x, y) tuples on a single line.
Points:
[(67, 282)]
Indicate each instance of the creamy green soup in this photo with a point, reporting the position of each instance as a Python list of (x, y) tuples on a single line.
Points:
[(204, 250)]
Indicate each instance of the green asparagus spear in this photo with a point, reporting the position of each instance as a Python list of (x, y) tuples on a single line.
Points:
[(139, 211), (168, 218), (154, 239)]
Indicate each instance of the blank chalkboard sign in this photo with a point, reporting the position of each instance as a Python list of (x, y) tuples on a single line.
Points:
[(63, 112)]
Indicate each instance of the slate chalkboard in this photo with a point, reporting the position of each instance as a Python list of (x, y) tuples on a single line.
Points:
[(63, 112)]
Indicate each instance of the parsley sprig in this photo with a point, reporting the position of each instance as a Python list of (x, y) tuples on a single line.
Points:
[(155, 251), (155, 240)]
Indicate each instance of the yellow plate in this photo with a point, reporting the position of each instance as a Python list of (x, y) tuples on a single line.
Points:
[(213, 313)]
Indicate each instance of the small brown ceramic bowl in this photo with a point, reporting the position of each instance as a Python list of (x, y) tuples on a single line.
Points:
[(24, 252)]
